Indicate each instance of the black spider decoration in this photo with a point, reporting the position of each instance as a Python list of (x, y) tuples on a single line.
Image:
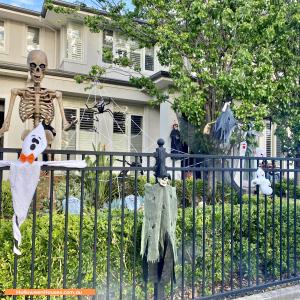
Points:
[(133, 164), (99, 107)]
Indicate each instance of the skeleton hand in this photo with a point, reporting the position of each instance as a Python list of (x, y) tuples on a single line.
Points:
[(4, 127), (67, 126)]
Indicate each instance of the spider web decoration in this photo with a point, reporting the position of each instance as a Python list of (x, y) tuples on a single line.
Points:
[(96, 106)]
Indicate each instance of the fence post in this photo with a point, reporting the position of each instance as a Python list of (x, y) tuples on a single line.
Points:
[(160, 168), (160, 156), (297, 165)]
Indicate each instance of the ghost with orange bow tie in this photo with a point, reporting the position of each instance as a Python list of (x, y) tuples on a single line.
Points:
[(25, 174)]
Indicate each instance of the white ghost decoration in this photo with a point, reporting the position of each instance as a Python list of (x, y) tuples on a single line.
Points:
[(25, 175), (35, 142), (263, 182)]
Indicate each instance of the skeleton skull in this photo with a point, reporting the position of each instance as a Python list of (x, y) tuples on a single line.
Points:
[(163, 181), (37, 63)]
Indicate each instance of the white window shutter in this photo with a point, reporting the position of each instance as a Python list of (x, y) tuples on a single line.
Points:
[(119, 123), (135, 54), (149, 59), (278, 147), (86, 119), (120, 138), (74, 42), (268, 136)]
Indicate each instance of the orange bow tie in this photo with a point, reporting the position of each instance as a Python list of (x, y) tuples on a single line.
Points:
[(29, 158)]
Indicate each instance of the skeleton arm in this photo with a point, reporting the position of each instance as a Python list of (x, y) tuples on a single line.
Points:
[(6, 123), (66, 124)]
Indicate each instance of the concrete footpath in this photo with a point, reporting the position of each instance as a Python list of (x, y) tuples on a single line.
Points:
[(286, 293)]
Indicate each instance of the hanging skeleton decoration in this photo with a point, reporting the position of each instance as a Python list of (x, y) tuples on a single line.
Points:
[(158, 242), (36, 103)]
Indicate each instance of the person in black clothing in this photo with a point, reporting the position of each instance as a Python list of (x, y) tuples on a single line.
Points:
[(176, 144)]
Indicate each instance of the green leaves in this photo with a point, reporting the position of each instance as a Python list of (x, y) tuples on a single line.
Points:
[(260, 226), (245, 51)]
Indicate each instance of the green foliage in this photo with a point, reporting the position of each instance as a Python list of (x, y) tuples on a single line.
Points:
[(6, 201), (258, 232), (96, 183), (258, 227), (94, 75), (243, 51), (285, 187)]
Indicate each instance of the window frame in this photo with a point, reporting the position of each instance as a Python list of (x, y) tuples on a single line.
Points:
[(64, 35), (76, 128), (144, 59), (142, 53), (5, 26), (141, 132), (26, 40), (128, 127)]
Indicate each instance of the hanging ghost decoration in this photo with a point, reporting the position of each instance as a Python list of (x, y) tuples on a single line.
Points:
[(224, 125), (264, 183), (25, 174)]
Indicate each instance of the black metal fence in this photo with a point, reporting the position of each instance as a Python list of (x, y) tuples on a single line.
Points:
[(231, 238)]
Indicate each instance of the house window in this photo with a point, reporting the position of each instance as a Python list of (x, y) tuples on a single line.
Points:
[(107, 50), (135, 54), (86, 119), (69, 137), (82, 135), (119, 123), (116, 45), (33, 38), (136, 138), (2, 36), (130, 49), (127, 132), (74, 46), (149, 59)]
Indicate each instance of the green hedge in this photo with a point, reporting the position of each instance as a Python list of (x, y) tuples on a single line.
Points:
[(265, 264), (89, 191), (283, 187)]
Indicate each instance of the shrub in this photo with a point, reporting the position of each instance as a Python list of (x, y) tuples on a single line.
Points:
[(268, 230), (6, 201), (283, 188)]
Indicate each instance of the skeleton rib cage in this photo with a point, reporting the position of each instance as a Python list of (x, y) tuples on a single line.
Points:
[(36, 106)]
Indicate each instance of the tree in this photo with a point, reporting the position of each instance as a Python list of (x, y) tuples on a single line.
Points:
[(246, 52)]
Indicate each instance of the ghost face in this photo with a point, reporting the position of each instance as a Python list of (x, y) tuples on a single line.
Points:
[(163, 181), (35, 142), (37, 63)]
